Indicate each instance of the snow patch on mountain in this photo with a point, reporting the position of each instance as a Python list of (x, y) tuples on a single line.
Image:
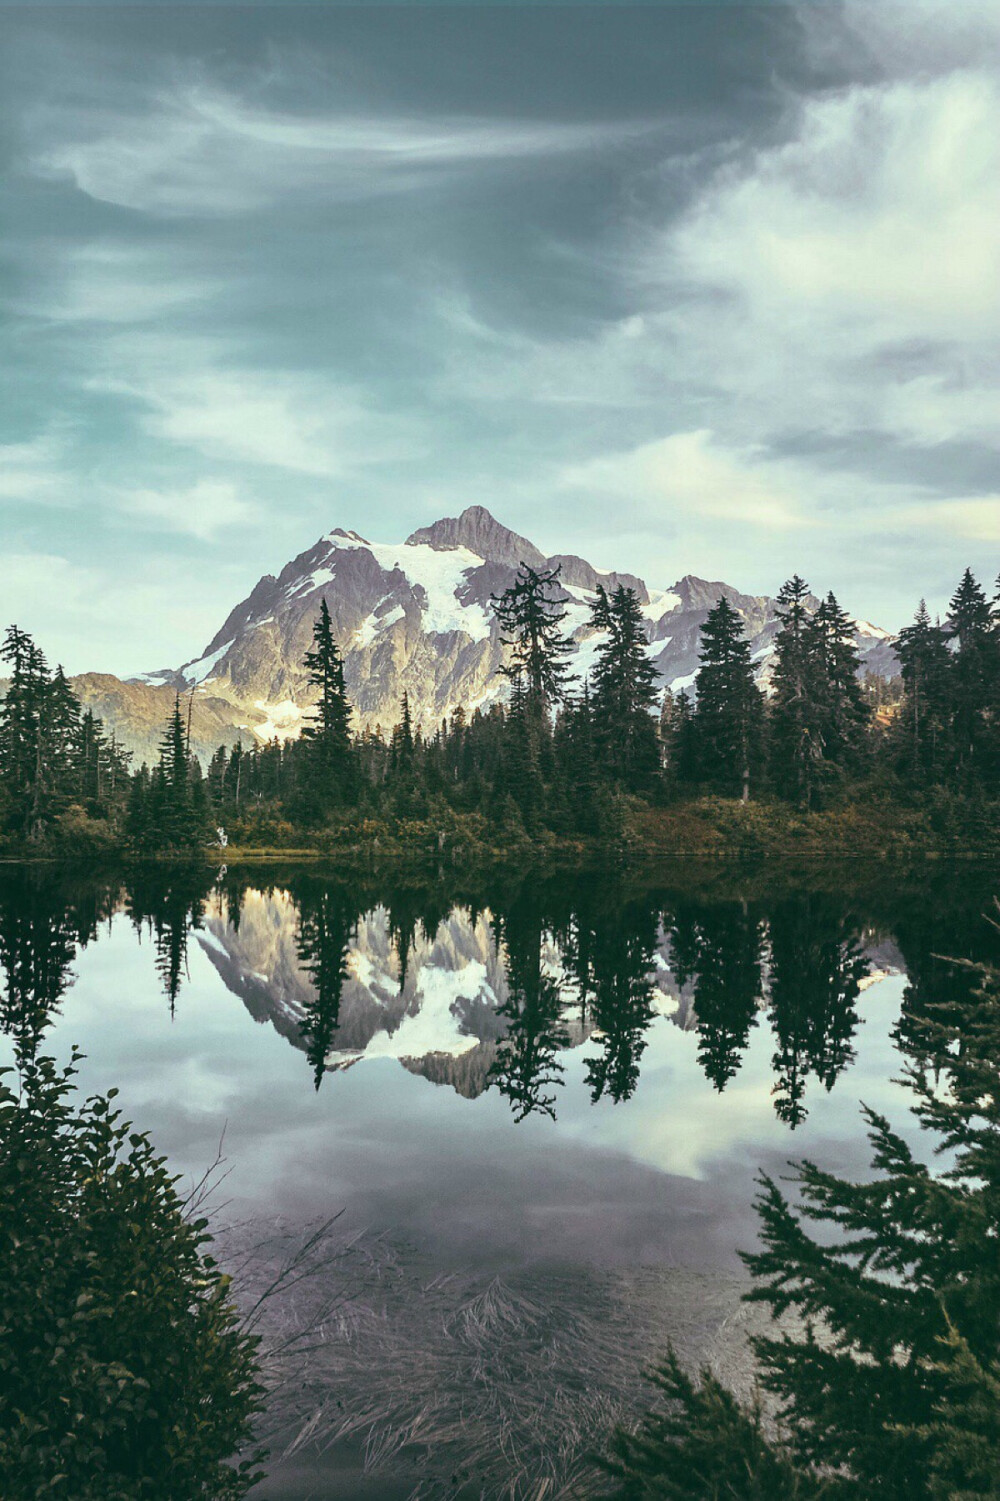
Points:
[(201, 671), (282, 721), (379, 620)]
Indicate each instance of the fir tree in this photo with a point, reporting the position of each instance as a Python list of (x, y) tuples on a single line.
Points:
[(816, 969), (796, 715), (401, 744), (622, 955), (718, 950), (328, 754), (841, 712), (624, 692), (530, 614), (973, 674), (175, 821), (526, 1069), (728, 723), (925, 663), (326, 925)]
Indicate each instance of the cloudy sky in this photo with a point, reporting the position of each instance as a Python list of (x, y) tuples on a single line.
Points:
[(709, 288)]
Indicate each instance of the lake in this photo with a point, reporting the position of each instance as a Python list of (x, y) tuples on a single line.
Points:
[(537, 1108)]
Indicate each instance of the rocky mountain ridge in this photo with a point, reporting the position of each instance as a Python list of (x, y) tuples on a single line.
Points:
[(416, 616)]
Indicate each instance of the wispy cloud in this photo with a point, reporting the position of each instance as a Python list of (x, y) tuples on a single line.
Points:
[(201, 510), (35, 472), (689, 477), (193, 394), (199, 151), (113, 282)]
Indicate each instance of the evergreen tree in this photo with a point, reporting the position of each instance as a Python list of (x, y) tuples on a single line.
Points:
[(624, 692), (520, 776), (841, 711), (326, 926), (329, 774), (816, 969), (526, 1068), (530, 614), (795, 731), (401, 744), (718, 948), (973, 675), (24, 761), (729, 717), (622, 954), (925, 663), (172, 816)]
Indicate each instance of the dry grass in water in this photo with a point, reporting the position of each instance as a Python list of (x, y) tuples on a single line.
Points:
[(498, 1389)]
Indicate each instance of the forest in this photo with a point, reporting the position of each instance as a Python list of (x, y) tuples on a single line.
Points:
[(559, 764)]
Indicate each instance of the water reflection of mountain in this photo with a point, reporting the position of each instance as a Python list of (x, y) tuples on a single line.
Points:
[(439, 1013), (440, 1003), (491, 990)]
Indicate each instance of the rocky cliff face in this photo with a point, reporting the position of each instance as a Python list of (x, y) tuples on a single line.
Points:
[(416, 616)]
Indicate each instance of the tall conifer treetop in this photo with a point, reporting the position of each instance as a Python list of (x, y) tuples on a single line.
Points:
[(531, 616)]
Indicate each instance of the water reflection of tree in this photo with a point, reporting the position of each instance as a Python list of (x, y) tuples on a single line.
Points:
[(405, 917), (939, 919), (526, 1069), (327, 923), (617, 942), (43, 923), (168, 902), (718, 949), (816, 973)]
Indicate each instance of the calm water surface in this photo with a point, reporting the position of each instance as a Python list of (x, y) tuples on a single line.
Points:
[(540, 1108)]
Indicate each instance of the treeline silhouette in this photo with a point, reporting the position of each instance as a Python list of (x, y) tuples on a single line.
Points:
[(560, 755), (577, 962)]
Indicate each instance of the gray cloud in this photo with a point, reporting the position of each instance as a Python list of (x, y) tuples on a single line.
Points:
[(724, 273)]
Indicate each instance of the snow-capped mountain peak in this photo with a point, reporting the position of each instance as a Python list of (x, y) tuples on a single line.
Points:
[(417, 616)]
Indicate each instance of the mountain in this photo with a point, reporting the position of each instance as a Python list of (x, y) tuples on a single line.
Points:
[(417, 616)]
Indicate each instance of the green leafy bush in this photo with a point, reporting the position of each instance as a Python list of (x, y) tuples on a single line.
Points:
[(124, 1372)]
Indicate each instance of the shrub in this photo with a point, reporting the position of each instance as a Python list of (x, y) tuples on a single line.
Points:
[(124, 1372)]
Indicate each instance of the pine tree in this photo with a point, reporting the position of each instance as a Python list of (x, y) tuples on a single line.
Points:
[(622, 954), (519, 774), (973, 675), (624, 692), (816, 969), (925, 664), (526, 1068), (401, 744), (173, 818), (530, 614), (24, 762), (329, 772), (729, 716), (795, 719), (718, 950), (842, 713), (326, 925)]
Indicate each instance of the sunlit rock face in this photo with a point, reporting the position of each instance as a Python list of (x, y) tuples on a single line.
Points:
[(417, 616)]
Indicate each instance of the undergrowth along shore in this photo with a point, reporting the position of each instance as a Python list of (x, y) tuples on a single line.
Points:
[(634, 833)]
